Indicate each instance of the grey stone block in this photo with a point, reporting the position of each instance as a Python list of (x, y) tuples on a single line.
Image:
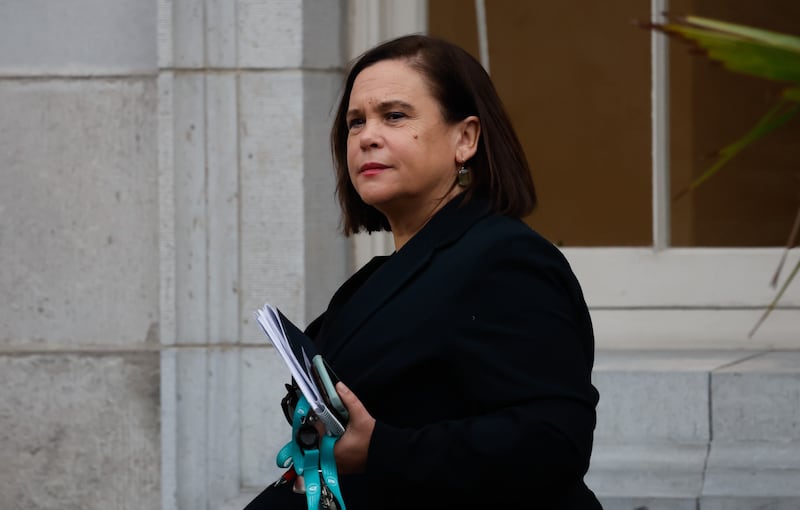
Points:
[(323, 44), (646, 470), (656, 395), (755, 452), (640, 405), (325, 246), (79, 37), (187, 33), (200, 406), (740, 503), (766, 468), (191, 214), (272, 180), (653, 424), (270, 34), (758, 399), (78, 212), (79, 432), (264, 428), (648, 503)]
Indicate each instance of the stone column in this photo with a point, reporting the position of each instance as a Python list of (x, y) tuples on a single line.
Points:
[(248, 215)]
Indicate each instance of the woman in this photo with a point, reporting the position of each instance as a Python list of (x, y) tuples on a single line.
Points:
[(467, 353)]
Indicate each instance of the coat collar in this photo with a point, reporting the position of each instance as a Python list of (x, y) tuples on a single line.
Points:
[(368, 289)]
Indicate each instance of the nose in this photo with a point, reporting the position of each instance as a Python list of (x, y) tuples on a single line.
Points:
[(369, 137)]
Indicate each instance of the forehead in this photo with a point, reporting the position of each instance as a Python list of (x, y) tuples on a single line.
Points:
[(388, 80)]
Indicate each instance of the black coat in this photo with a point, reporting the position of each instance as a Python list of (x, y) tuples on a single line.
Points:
[(472, 347)]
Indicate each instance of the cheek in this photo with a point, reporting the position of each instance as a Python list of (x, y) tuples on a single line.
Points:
[(352, 152)]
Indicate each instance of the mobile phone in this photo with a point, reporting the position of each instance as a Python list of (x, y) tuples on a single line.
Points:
[(326, 380)]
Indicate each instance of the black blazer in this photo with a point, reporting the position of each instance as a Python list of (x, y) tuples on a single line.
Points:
[(472, 347)]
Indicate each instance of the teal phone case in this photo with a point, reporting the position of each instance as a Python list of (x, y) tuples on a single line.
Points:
[(327, 380)]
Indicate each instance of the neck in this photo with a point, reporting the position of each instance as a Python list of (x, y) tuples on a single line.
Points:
[(405, 224)]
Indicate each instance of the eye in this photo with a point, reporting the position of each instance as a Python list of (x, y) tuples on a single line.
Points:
[(395, 116), (355, 123)]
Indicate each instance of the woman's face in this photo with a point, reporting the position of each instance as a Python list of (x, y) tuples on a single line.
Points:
[(401, 154)]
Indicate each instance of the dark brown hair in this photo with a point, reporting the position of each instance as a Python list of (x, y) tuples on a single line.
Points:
[(462, 88)]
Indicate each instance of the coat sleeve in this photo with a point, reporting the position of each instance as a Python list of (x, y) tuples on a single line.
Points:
[(522, 347)]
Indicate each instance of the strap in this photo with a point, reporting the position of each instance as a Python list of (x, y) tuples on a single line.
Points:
[(311, 477), (328, 467), (291, 454), (308, 461)]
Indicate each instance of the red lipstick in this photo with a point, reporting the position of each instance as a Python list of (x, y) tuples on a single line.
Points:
[(372, 168)]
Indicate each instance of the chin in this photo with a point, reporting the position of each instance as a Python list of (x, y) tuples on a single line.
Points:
[(377, 202), (375, 197)]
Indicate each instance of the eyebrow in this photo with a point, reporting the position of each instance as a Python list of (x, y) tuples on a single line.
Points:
[(383, 106)]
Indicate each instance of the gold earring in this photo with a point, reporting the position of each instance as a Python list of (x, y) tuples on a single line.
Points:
[(464, 176)]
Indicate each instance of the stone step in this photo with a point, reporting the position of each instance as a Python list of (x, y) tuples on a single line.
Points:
[(690, 429)]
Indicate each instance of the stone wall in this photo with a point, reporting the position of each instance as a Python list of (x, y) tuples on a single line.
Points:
[(79, 284), (165, 170)]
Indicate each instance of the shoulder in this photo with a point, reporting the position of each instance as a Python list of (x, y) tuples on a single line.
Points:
[(524, 280), (505, 237), (504, 249)]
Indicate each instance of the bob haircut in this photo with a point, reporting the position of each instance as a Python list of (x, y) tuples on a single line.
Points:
[(460, 85)]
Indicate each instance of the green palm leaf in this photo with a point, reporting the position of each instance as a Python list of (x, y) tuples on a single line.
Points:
[(772, 120), (756, 52)]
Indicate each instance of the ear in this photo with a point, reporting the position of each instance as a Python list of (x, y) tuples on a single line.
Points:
[(467, 136)]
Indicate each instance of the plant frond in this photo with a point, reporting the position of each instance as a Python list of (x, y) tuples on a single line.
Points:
[(777, 39), (779, 115), (762, 53)]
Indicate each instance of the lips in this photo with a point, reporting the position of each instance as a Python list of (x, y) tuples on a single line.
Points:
[(372, 168)]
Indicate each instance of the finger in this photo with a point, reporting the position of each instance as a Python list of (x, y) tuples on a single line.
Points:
[(341, 388), (349, 399)]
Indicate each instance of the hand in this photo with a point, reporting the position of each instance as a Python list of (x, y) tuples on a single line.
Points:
[(351, 449)]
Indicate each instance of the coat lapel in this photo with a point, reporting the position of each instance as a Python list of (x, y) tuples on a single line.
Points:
[(347, 313)]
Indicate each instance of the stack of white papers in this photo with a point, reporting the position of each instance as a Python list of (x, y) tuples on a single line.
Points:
[(296, 350)]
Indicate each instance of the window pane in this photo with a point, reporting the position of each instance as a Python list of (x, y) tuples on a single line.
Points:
[(753, 200), (575, 78)]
